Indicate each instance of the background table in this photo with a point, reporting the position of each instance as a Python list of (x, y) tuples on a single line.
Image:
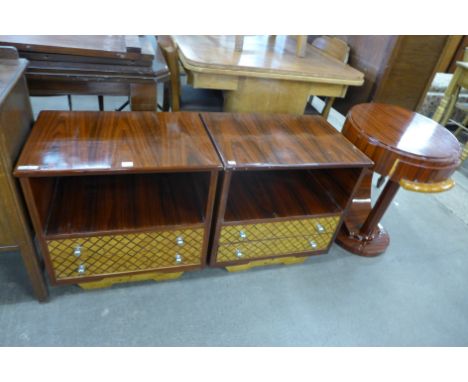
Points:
[(266, 76), (92, 65)]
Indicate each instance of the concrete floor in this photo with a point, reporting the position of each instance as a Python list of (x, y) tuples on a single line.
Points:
[(413, 295)]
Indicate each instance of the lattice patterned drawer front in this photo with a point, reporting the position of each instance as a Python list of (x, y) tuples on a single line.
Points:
[(105, 255), (277, 230), (265, 248)]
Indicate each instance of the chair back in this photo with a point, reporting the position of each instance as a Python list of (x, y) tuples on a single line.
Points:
[(333, 47), (169, 51)]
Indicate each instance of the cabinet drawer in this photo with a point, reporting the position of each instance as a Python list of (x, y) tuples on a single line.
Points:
[(277, 230), (106, 255), (276, 247)]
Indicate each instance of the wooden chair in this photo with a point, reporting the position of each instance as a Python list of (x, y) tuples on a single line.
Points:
[(183, 97), (448, 103), (336, 48)]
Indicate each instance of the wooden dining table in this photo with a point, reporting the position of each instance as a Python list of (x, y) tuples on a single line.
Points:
[(266, 75)]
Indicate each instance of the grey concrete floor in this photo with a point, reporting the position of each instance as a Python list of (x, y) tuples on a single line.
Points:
[(413, 295)]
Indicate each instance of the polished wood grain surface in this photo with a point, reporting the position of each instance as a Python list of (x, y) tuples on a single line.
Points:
[(116, 142), (280, 168), (427, 152), (404, 146), (280, 141), (126, 203), (113, 46), (273, 57), (257, 195), (404, 130)]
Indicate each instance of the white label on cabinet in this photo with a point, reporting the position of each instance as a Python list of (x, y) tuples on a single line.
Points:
[(232, 162), (127, 164), (30, 167)]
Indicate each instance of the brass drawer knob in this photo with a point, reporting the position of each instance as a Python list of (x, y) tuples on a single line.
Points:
[(178, 258), (242, 235), (180, 241), (320, 228), (77, 251), (313, 244), (239, 253), (81, 269)]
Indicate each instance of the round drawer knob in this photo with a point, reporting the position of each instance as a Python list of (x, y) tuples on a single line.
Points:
[(320, 228), (178, 258), (313, 244), (180, 240), (242, 235), (239, 253), (81, 269), (77, 251)]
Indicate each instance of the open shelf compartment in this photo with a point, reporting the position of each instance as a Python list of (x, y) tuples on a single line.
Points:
[(279, 194), (87, 205)]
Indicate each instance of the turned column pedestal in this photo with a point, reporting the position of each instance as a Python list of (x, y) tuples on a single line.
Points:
[(413, 151)]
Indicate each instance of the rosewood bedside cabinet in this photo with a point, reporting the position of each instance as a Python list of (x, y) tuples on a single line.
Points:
[(119, 197), (16, 119), (287, 184)]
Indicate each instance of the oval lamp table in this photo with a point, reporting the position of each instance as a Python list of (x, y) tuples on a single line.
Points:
[(413, 151)]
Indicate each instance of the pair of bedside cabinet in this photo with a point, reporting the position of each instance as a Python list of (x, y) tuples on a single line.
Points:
[(122, 196)]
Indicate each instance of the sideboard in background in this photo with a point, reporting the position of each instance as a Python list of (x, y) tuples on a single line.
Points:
[(398, 69), (16, 119)]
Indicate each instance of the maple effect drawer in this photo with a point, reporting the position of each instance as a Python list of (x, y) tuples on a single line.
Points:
[(276, 247), (277, 230), (116, 254)]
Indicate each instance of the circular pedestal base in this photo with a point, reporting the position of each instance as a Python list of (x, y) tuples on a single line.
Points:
[(368, 248)]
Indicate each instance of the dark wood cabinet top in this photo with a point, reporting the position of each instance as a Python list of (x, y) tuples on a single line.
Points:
[(256, 141), (112, 46), (405, 131), (116, 142)]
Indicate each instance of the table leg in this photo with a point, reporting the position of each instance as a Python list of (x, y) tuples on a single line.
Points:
[(101, 102), (34, 270), (143, 97), (368, 238)]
